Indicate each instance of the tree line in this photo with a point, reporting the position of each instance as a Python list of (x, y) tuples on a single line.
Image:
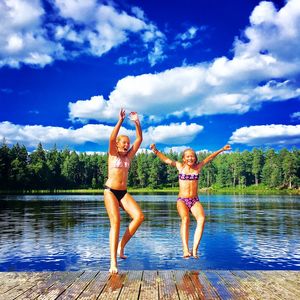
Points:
[(64, 169)]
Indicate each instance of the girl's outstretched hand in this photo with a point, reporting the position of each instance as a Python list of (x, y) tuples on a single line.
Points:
[(122, 114), (153, 148), (226, 147), (133, 116)]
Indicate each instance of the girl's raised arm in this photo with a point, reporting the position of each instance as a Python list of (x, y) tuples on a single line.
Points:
[(162, 157), (113, 136), (213, 155), (139, 135)]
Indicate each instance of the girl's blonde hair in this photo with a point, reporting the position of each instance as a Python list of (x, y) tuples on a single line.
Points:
[(190, 149), (121, 136)]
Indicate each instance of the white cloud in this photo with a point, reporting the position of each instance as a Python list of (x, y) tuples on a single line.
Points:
[(295, 116), (175, 133), (78, 10), (267, 135), (188, 35), (22, 36), (31, 135), (262, 69), (30, 36), (104, 27)]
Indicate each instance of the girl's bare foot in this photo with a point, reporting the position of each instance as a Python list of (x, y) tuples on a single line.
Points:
[(186, 254), (121, 253), (195, 255), (113, 270)]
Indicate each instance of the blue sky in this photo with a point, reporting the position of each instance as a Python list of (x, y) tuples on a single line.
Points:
[(199, 73)]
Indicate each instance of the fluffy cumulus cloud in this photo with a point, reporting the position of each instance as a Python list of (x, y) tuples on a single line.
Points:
[(267, 135), (31, 35), (175, 133), (31, 135), (265, 63), (23, 39)]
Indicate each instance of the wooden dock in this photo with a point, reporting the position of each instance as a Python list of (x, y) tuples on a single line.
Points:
[(211, 284)]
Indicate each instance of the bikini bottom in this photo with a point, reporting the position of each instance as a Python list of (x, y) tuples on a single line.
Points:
[(119, 194), (189, 202)]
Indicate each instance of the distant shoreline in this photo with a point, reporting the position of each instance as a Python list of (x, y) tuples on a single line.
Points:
[(247, 190)]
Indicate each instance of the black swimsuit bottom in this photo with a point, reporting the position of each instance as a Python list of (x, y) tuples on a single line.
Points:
[(119, 194)]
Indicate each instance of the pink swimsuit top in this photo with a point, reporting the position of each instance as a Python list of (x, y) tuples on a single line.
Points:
[(121, 162)]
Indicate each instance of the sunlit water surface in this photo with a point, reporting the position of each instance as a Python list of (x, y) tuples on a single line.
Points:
[(71, 232)]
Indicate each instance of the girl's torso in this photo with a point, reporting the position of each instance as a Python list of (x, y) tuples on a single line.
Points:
[(188, 182), (118, 167)]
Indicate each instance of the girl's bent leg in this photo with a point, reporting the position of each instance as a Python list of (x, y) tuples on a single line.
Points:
[(198, 212), (184, 214), (135, 212), (113, 210)]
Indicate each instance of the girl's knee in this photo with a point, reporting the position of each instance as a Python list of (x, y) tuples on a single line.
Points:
[(140, 217), (201, 220)]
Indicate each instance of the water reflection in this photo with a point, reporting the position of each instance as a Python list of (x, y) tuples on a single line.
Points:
[(71, 233)]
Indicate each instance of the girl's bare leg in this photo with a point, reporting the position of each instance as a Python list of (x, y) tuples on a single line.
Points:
[(198, 212), (113, 210), (135, 212), (184, 214)]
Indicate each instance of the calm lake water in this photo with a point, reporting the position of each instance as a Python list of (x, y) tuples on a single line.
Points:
[(70, 232)]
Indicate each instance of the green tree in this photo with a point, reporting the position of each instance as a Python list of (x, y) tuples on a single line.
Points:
[(289, 167), (224, 172), (257, 164), (54, 162), (142, 169), (172, 172), (18, 172), (271, 172), (5, 160), (71, 170), (38, 168)]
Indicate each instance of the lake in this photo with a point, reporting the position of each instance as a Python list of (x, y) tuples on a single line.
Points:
[(71, 232)]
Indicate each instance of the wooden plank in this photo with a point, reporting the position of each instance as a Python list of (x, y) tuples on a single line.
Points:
[(185, 287), (149, 286), (210, 284), (167, 287), (202, 282), (77, 287), (219, 285), (204, 287), (11, 280), (273, 283), (234, 285), (291, 280), (94, 289), (257, 288), (41, 287), (131, 286), (113, 286), (32, 280), (247, 283), (59, 286)]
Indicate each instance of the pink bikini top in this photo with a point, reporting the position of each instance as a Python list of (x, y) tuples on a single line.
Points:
[(183, 176), (188, 176), (121, 162)]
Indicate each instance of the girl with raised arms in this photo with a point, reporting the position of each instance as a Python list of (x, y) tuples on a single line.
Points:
[(188, 201), (120, 155)]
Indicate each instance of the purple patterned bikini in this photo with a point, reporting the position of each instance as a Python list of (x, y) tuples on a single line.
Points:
[(189, 202)]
